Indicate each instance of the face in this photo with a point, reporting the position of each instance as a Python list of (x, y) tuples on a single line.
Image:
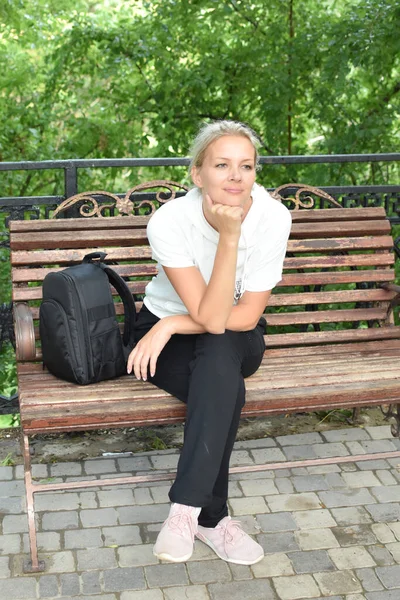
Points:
[(228, 171)]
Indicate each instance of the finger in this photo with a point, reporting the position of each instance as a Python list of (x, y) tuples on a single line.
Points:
[(136, 366), (143, 367), (131, 358), (153, 363)]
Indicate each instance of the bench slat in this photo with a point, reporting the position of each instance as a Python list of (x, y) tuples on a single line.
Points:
[(326, 316), (329, 337)]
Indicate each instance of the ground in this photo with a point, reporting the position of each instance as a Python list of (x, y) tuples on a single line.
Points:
[(80, 445)]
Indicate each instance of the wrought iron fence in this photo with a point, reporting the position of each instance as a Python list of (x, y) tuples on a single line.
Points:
[(34, 207)]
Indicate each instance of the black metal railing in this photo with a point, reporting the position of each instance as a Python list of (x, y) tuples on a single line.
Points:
[(33, 207)]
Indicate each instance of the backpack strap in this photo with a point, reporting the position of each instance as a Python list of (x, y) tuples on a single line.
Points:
[(124, 292)]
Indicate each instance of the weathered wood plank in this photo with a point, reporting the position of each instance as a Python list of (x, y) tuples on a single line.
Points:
[(329, 337), (326, 316), (341, 243)]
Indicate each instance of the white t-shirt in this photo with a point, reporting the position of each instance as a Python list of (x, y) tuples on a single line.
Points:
[(180, 236)]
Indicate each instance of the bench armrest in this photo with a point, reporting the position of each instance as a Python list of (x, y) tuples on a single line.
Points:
[(24, 332)]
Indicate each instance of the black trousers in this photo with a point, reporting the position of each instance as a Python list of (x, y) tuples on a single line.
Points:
[(207, 372)]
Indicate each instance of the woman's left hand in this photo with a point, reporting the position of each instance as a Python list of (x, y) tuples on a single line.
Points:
[(148, 349)]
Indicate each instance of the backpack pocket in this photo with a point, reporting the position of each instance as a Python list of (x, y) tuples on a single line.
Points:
[(59, 354), (107, 353)]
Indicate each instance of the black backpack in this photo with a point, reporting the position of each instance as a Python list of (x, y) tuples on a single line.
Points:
[(81, 340)]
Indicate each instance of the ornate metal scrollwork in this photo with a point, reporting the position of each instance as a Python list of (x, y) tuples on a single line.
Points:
[(308, 201), (393, 412), (91, 207)]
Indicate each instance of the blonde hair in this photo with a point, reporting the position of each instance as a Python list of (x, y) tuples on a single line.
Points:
[(209, 132)]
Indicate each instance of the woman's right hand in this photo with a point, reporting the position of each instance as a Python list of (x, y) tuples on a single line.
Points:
[(227, 219), (148, 349)]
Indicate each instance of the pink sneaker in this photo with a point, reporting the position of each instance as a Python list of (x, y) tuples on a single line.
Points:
[(176, 538), (231, 543)]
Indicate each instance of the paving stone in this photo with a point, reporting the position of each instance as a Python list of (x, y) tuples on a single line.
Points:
[(369, 580), (96, 558), (293, 502), (299, 439), (394, 550), (284, 485), (10, 544), (250, 524), (97, 466), (134, 463), (240, 572), (4, 567), (329, 450), (267, 455), (125, 535), (240, 457), (90, 583), (378, 446), (110, 498), (101, 517), (119, 580), (12, 506), (143, 595), (323, 469), (247, 506), (335, 481), (194, 592), (6, 473), (361, 479), (315, 539), (259, 487), (383, 533), (254, 475), (277, 542), (385, 477), (277, 522), (395, 527), (311, 483), (60, 562), (160, 461), (235, 490), (209, 571), (69, 584), (379, 432), (387, 595), (314, 519), (258, 589), (346, 498), (355, 448), (131, 515), (351, 516), (381, 555), (15, 524), (305, 452), (387, 494), (60, 521), (310, 562), (142, 496), (340, 582), (354, 434), (66, 469), (260, 443), (11, 488), (389, 576), (166, 575), (383, 513), (297, 586), (21, 588), (160, 493), (273, 565), (355, 557), (372, 465), (48, 586), (354, 535), (47, 541), (137, 556), (83, 538)]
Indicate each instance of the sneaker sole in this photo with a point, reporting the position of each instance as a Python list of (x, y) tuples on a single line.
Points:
[(175, 559), (230, 560)]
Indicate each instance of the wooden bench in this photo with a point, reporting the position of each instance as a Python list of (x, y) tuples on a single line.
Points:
[(331, 341)]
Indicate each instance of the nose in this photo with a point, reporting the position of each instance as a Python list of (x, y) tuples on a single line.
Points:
[(235, 173)]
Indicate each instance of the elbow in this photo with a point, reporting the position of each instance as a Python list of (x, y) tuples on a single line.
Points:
[(214, 329)]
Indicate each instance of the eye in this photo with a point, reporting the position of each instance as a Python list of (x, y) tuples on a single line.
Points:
[(248, 167), (220, 165)]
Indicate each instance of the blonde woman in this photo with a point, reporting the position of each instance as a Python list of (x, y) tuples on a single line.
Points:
[(220, 251)]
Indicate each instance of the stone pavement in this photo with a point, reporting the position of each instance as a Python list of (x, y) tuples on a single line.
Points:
[(330, 531)]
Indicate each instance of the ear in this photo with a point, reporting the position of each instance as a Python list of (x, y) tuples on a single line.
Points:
[(196, 177)]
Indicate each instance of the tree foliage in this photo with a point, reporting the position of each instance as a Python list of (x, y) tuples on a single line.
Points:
[(116, 78)]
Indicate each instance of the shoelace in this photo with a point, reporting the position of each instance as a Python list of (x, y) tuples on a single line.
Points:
[(182, 520), (230, 530)]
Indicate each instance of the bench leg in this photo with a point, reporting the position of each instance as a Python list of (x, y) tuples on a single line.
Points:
[(34, 565), (393, 412)]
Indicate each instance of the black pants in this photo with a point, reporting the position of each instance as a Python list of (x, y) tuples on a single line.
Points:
[(207, 372)]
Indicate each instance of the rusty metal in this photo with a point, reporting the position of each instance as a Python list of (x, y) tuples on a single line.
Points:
[(392, 412), (308, 201), (35, 565), (125, 206), (24, 332)]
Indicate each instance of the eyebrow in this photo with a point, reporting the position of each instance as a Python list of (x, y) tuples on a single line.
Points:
[(243, 159)]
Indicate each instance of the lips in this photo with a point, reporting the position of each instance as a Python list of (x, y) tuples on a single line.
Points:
[(233, 191)]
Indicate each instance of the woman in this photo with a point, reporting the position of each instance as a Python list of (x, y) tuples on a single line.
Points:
[(220, 251)]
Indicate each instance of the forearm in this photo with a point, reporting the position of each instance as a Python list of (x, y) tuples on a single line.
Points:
[(238, 320), (216, 304)]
